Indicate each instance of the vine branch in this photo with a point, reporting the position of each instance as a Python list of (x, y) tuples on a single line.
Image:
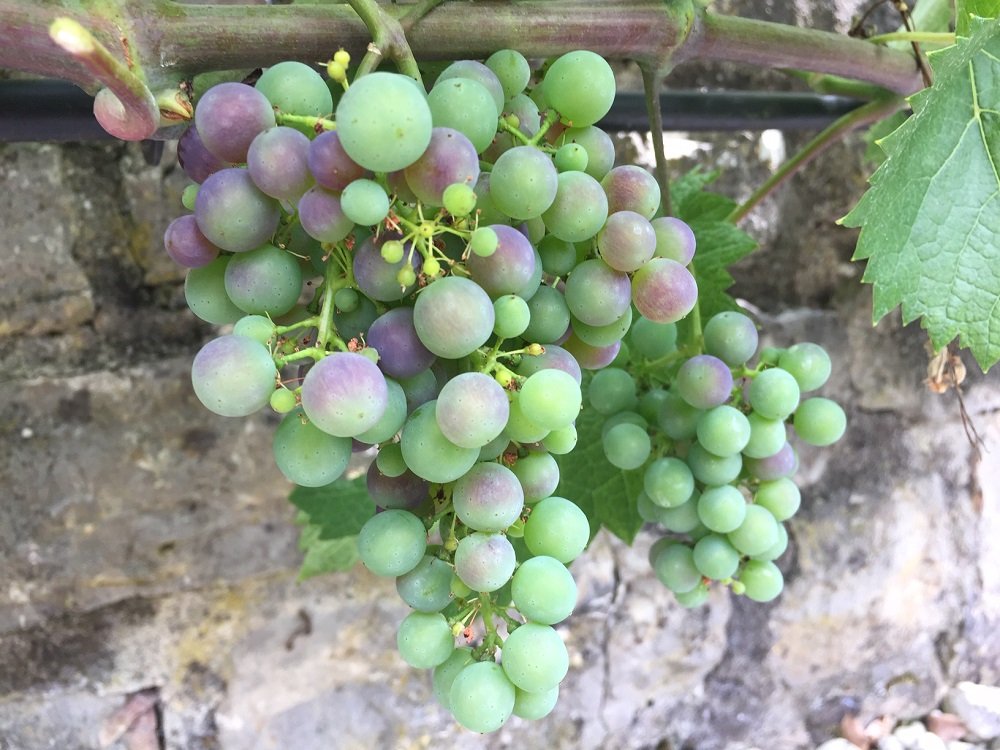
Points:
[(651, 86), (388, 40)]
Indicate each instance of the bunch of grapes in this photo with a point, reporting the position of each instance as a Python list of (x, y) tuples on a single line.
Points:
[(710, 435)]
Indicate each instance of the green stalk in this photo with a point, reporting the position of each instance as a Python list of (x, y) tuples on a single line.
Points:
[(651, 86), (928, 37)]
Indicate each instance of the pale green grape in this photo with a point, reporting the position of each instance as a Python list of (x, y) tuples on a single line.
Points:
[(543, 590), (424, 639), (481, 697), (534, 657)]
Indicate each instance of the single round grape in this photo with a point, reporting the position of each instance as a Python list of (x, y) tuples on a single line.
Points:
[(523, 182), (674, 239), (445, 673), (820, 421), (511, 69), (233, 376), (450, 158), (390, 460), (571, 157), (512, 316), (710, 469), (428, 453), (233, 213), (229, 116), (535, 657), (506, 270), (278, 163), (205, 293), (626, 446), (592, 357), (599, 146), (364, 202), (427, 588), (767, 436), (758, 532), (322, 215), (186, 245), (560, 442), (722, 508), (704, 381), (256, 327), (344, 394), (466, 106), (392, 543), (732, 337), (663, 290), (484, 242), (474, 70), (683, 518), (715, 557), (472, 409), (774, 393), (723, 430), (424, 639), (651, 403), (330, 164), (520, 427), (189, 196), (652, 340), (674, 567), (534, 706), (779, 496), (677, 418), (551, 398), (296, 88), (484, 562), (354, 325), (623, 417), (693, 598), (488, 498), (596, 293), (548, 316), (265, 281), (557, 528), (392, 419), (603, 335), (305, 454), (543, 590), (579, 210), (378, 279), (394, 336), (384, 121), (346, 299), (763, 580), (668, 482), (627, 241), (481, 697), (784, 463), (558, 256), (458, 199), (580, 85), (631, 188), (538, 474), (195, 159), (453, 317), (392, 251), (808, 363)]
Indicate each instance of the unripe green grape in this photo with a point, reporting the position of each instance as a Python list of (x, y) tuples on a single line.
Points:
[(723, 430), (626, 446), (543, 590), (512, 70), (767, 436), (534, 706), (758, 532), (668, 482), (364, 202), (256, 327), (511, 316), (431, 267), (820, 421), (808, 363), (484, 242), (346, 300), (481, 697), (571, 157), (283, 400), (774, 393), (189, 195), (534, 657), (693, 598), (392, 543), (551, 398), (674, 567), (557, 528), (777, 549), (731, 336), (612, 390), (445, 674), (390, 460), (653, 340), (763, 580), (392, 251), (336, 71), (406, 276), (459, 199), (722, 509), (424, 639), (715, 557), (780, 496)]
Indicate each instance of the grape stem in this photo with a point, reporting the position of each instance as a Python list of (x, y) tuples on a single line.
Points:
[(928, 37), (486, 607), (551, 118), (317, 124), (326, 331), (388, 40), (651, 85)]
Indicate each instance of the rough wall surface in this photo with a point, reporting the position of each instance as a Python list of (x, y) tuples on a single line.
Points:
[(145, 543)]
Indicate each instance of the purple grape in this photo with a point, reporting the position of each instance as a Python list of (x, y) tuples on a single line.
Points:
[(419, 389), (330, 164), (401, 355), (627, 241), (195, 159), (277, 163), (784, 463), (233, 213), (229, 116), (376, 278), (592, 357), (674, 239), (484, 562), (186, 245), (450, 158), (596, 293), (663, 290), (488, 498), (322, 217), (406, 491), (344, 394), (507, 270), (631, 188), (453, 316), (704, 381)]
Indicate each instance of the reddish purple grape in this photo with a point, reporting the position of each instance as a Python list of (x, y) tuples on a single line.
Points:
[(704, 381), (401, 355), (277, 162), (674, 239), (229, 116), (663, 290), (784, 463), (186, 245), (509, 269), (330, 164), (344, 394), (406, 491), (631, 188), (627, 241), (450, 157), (592, 357), (322, 217), (195, 159), (233, 213)]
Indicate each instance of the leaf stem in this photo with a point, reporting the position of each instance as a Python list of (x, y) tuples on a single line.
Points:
[(929, 37), (388, 40), (836, 131), (651, 85), (333, 282)]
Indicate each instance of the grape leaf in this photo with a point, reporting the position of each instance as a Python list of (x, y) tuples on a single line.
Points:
[(325, 555), (605, 493), (340, 508), (931, 216), (966, 9)]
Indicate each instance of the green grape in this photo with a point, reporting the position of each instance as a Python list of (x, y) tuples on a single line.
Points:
[(653, 340), (364, 202), (523, 182), (481, 697), (557, 528), (780, 496), (511, 315), (428, 453), (446, 672), (543, 590), (484, 562), (558, 256), (458, 588), (677, 418), (777, 549), (390, 460), (668, 482), (674, 567), (683, 518), (466, 106), (820, 421), (774, 393), (571, 157), (580, 85), (424, 639), (233, 376), (305, 454), (599, 146), (534, 657), (561, 441), (612, 390), (512, 70), (649, 511), (189, 195), (808, 363), (763, 580), (282, 400), (715, 557), (205, 293), (580, 208), (629, 417), (488, 498), (651, 402), (538, 474), (520, 427), (723, 431), (767, 436), (256, 327), (484, 242), (626, 446), (731, 336), (392, 543), (392, 252), (392, 418), (459, 199), (550, 398), (549, 316), (606, 335), (770, 356), (693, 598), (534, 706), (295, 88), (267, 280), (758, 532), (722, 509)]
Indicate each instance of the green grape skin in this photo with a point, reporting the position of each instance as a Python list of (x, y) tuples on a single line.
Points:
[(758, 532), (674, 567), (551, 398), (523, 182), (481, 697), (511, 69), (561, 441), (427, 588), (392, 543), (668, 482), (543, 590), (538, 474), (767, 436), (484, 562), (626, 446), (189, 196), (715, 557), (466, 106), (628, 417), (606, 335), (722, 509), (511, 316), (808, 363), (308, 456), (390, 460), (446, 672), (459, 199), (580, 208), (777, 549), (282, 400), (533, 706), (256, 327), (819, 421), (598, 145), (612, 390), (205, 293), (723, 431), (762, 579), (265, 281), (233, 376), (653, 340), (731, 336), (549, 316), (651, 402), (364, 202), (557, 528), (484, 242), (295, 88), (683, 518), (534, 657), (520, 427), (780, 496), (580, 85), (774, 393), (428, 453), (571, 157), (558, 256), (677, 418), (693, 598), (424, 639), (710, 469)]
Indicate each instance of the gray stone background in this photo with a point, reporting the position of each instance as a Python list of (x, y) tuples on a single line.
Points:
[(148, 544)]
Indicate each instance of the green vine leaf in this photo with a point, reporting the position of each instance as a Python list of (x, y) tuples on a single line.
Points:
[(966, 10), (331, 516), (931, 217), (605, 493)]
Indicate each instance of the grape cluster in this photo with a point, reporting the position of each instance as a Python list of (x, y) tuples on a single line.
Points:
[(710, 435), (426, 275)]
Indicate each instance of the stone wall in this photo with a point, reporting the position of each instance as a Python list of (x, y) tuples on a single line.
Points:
[(146, 544)]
